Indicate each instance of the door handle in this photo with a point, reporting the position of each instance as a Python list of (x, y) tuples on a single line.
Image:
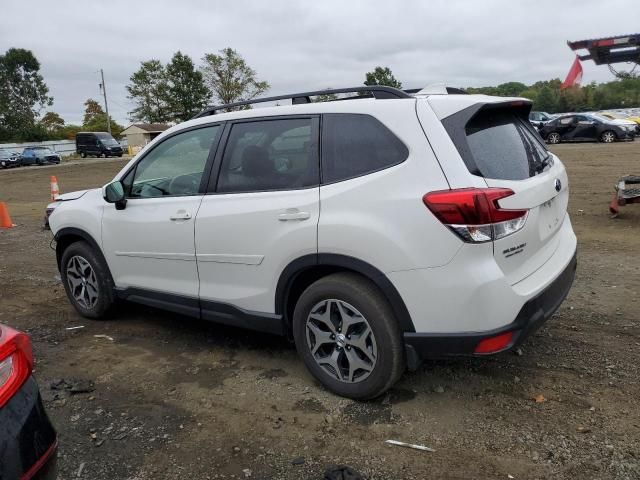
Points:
[(293, 215), (180, 216)]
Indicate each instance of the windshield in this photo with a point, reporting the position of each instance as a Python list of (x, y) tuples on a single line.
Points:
[(601, 118), (110, 142)]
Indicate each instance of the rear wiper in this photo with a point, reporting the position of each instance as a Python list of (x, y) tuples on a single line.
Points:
[(544, 163)]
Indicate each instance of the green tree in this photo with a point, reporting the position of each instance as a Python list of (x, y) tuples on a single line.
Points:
[(230, 78), (92, 109), (546, 100), (149, 90), (68, 132), (23, 93), (382, 76), (325, 98), (95, 119), (187, 93), (52, 122), (510, 89)]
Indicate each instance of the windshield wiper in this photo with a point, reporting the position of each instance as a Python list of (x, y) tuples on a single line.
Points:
[(544, 163)]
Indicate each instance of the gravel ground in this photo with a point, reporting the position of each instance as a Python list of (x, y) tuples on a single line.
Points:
[(152, 395)]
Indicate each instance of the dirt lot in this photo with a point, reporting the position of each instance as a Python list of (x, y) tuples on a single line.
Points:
[(178, 398)]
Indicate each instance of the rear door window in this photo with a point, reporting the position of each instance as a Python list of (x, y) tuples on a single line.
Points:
[(498, 144), (355, 145), (271, 154)]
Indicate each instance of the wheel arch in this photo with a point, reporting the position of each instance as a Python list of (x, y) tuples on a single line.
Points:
[(66, 236), (303, 271)]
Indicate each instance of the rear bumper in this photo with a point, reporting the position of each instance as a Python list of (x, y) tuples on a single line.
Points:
[(532, 315), (28, 441)]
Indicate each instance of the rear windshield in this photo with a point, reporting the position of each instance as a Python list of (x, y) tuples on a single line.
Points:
[(498, 144)]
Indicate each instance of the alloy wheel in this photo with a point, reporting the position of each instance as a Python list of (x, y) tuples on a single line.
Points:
[(82, 281), (553, 138), (341, 341), (608, 137)]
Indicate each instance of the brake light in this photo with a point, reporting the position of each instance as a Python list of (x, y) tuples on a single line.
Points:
[(474, 214), (16, 362)]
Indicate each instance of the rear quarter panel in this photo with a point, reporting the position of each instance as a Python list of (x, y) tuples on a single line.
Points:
[(380, 218)]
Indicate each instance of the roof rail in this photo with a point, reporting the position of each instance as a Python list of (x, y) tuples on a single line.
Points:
[(375, 91)]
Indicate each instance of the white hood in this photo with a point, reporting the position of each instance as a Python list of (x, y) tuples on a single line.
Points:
[(71, 195)]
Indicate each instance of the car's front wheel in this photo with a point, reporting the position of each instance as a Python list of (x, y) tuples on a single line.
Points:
[(553, 138), (346, 333), (83, 155), (608, 137), (87, 280)]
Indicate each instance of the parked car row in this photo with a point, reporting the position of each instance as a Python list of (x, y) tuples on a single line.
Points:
[(584, 127), (95, 144), (30, 156)]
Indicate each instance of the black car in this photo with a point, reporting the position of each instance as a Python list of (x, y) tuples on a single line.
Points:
[(28, 441), (38, 156), (97, 144), (9, 159), (585, 128), (538, 119)]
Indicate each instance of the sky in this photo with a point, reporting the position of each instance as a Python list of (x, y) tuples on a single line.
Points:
[(304, 45)]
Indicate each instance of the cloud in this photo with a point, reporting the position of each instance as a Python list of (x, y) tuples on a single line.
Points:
[(299, 46)]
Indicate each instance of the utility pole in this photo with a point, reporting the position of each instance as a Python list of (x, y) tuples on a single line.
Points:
[(106, 106)]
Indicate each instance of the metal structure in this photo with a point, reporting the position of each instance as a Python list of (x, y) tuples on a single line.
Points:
[(627, 191), (607, 51)]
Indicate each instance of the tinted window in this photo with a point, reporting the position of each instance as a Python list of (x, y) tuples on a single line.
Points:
[(500, 145), (354, 145), (270, 155), (174, 167)]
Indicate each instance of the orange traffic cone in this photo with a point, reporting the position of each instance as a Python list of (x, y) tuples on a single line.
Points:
[(5, 219), (55, 191)]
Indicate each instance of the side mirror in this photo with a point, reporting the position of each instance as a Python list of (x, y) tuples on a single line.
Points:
[(114, 193)]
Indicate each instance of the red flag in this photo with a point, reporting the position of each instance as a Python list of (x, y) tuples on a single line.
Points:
[(574, 77)]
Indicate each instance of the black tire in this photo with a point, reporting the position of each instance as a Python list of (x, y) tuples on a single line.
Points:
[(608, 136), (365, 297), (120, 156), (83, 155), (553, 138), (105, 287)]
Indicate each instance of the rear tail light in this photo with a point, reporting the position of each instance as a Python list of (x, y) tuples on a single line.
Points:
[(494, 344), (16, 362), (474, 214)]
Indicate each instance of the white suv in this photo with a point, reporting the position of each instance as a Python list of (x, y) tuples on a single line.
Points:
[(376, 231)]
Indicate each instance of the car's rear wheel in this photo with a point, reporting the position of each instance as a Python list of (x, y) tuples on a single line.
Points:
[(553, 138), (608, 137), (346, 333), (87, 280)]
